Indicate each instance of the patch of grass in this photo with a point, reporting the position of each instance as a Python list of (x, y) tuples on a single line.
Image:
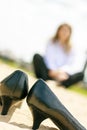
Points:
[(78, 89), (12, 64), (16, 66)]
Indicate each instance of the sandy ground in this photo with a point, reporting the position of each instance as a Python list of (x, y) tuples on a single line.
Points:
[(20, 118)]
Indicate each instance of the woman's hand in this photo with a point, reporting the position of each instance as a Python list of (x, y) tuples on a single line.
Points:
[(58, 75), (62, 75)]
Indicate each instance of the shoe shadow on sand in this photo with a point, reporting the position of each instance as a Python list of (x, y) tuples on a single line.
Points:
[(6, 118), (6, 121), (42, 127)]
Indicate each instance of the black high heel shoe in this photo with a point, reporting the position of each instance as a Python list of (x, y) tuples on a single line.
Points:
[(13, 88), (44, 104)]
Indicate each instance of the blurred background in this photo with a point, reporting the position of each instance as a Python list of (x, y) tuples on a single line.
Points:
[(27, 25)]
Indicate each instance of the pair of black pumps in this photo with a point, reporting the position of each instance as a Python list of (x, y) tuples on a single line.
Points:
[(42, 101)]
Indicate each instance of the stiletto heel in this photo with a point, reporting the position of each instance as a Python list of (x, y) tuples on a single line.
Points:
[(6, 103), (13, 88), (47, 105), (0, 102), (38, 117)]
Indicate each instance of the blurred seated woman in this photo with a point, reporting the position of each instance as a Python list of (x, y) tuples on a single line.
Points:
[(58, 59)]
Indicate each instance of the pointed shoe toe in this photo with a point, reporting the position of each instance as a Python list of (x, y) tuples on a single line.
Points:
[(44, 104), (13, 88)]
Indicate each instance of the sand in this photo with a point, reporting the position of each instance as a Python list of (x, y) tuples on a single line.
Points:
[(19, 116)]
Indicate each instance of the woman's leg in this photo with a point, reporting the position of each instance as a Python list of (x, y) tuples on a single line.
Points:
[(73, 79), (40, 68)]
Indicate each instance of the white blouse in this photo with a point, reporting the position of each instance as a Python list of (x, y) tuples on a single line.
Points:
[(56, 58)]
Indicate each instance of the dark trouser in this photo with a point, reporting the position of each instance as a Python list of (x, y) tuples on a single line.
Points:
[(75, 78), (40, 68), (41, 71)]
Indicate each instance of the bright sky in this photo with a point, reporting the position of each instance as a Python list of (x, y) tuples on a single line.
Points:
[(27, 25)]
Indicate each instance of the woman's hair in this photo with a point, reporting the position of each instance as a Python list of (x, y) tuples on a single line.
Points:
[(56, 36)]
